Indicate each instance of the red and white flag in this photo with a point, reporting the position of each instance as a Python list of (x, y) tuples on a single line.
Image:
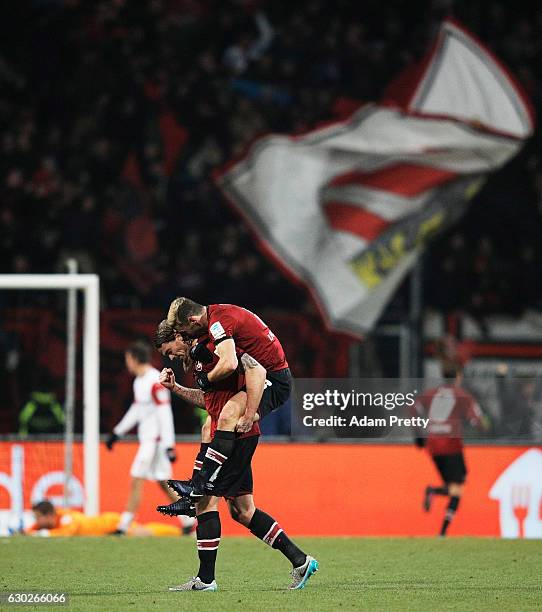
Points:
[(346, 209)]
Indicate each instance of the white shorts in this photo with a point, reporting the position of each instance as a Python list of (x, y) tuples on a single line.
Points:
[(151, 462)]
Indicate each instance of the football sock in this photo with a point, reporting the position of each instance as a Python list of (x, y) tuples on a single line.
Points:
[(208, 539), (269, 531), (450, 512), (125, 519), (439, 490), (216, 454), (198, 461)]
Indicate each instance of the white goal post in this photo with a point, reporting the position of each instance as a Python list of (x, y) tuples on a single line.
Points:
[(90, 285)]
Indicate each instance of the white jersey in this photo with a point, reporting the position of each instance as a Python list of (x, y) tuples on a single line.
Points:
[(150, 411)]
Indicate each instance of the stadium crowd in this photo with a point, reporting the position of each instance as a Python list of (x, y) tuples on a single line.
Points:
[(114, 114)]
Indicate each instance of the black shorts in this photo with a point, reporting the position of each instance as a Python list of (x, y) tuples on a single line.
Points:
[(452, 468), (278, 387), (235, 476)]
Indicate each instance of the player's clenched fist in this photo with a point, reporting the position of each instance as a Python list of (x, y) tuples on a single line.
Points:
[(167, 378)]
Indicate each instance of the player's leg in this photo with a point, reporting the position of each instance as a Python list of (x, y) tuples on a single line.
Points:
[(267, 529), (454, 473), (208, 539), (222, 443), (430, 491), (455, 490), (205, 441), (187, 522), (134, 499), (183, 487), (141, 470)]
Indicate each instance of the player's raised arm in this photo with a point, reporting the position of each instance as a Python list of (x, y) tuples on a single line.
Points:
[(193, 396)]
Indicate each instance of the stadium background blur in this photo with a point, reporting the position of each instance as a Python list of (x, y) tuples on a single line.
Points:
[(114, 115)]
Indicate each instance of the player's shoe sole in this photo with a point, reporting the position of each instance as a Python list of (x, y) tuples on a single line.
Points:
[(312, 568), (182, 507)]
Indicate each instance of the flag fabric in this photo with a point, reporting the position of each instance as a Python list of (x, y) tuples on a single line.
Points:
[(346, 209)]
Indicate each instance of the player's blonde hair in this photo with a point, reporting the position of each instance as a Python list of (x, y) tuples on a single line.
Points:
[(180, 309)]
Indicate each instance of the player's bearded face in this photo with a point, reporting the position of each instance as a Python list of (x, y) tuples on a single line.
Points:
[(175, 349)]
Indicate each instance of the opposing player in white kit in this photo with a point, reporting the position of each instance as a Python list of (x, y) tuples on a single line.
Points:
[(151, 412)]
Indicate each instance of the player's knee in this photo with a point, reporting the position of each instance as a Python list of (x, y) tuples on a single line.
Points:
[(234, 511), (455, 489), (240, 515), (228, 417)]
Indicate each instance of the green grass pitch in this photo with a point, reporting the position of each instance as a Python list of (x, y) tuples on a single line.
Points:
[(365, 573)]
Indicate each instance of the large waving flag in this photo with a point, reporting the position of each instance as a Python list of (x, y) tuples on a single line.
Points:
[(346, 209)]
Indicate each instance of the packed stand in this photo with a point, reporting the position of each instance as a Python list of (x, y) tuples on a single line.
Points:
[(114, 115)]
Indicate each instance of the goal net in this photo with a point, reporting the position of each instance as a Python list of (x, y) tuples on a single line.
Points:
[(49, 430)]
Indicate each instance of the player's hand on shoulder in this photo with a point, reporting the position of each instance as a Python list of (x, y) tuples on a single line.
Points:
[(167, 378)]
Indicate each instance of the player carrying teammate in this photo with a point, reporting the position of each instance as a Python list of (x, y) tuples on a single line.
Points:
[(447, 406), (151, 412), (232, 479), (194, 355), (230, 329)]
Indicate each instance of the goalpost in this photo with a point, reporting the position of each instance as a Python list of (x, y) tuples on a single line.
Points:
[(89, 284)]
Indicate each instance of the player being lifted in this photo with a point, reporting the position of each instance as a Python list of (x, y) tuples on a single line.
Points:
[(231, 329), (232, 479), (447, 406), (194, 353), (151, 412)]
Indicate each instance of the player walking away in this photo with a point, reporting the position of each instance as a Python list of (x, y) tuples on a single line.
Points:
[(64, 522), (230, 329), (233, 481), (151, 412), (447, 406)]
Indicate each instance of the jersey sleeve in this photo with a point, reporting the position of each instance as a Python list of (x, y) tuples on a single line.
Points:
[(473, 413), (128, 421), (161, 398), (222, 325), (160, 395)]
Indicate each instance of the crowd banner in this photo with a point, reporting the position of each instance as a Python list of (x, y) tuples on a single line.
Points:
[(347, 208)]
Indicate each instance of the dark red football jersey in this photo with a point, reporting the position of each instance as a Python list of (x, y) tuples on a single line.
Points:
[(222, 391), (447, 407), (250, 334)]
